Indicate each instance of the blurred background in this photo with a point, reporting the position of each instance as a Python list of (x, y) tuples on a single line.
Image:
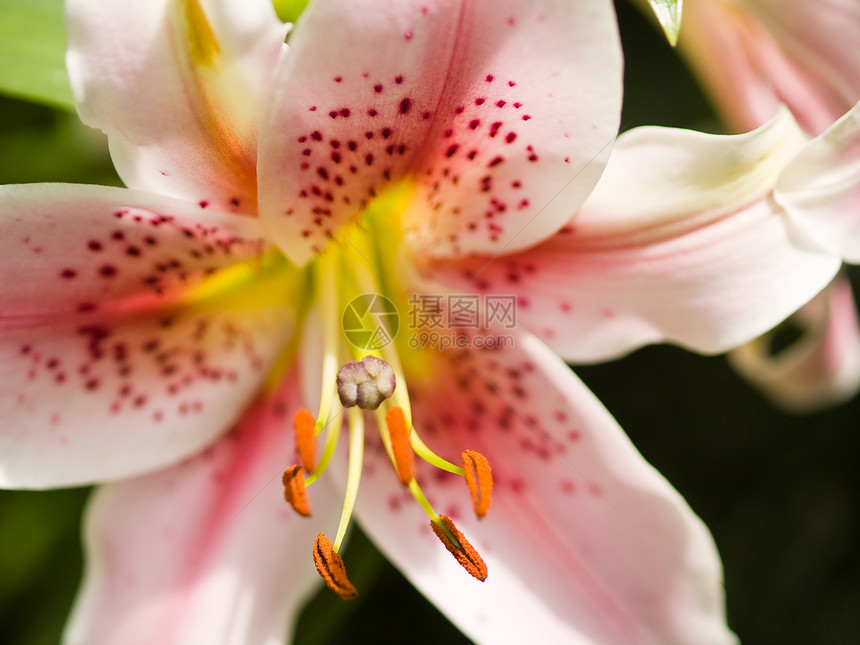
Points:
[(781, 494)]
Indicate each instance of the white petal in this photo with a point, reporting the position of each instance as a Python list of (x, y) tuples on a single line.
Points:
[(584, 541), (83, 248), (679, 242), (177, 85), (820, 188), (502, 112), (207, 551)]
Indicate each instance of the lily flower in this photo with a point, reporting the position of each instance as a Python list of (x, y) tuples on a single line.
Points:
[(752, 56), (179, 340)]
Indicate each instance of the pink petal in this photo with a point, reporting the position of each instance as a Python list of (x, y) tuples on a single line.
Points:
[(585, 542), (108, 369), (760, 53), (87, 398), (820, 369), (70, 249), (820, 189), (207, 551), (677, 243), (177, 86), (502, 112)]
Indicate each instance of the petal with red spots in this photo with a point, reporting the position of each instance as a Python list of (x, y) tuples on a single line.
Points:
[(585, 541), (499, 112), (680, 242), (88, 398), (77, 249), (214, 531)]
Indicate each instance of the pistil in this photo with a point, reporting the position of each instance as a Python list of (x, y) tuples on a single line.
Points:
[(374, 380)]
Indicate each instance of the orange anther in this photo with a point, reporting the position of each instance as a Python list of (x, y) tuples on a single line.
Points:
[(479, 479), (404, 458), (464, 552), (295, 492), (306, 442), (330, 567)]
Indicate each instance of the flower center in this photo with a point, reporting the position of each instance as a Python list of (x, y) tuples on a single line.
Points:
[(362, 375)]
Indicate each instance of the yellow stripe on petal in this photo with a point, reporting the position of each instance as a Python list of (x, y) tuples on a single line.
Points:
[(202, 44), (217, 91)]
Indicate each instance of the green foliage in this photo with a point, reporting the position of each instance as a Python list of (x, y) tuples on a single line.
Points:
[(32, 52), (290, 10)]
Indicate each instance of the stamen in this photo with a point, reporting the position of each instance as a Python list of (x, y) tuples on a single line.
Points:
[(404, 458), (353, 472), (306, 442), (365, 383), (332, 433), (330, 566), (479, 479), (295, 492), (459, 547)]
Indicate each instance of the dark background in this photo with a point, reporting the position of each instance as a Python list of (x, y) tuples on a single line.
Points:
[(780, 493)]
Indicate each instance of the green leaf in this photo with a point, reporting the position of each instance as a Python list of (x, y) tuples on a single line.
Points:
[(668, 12), (32, 52), (290, 10)]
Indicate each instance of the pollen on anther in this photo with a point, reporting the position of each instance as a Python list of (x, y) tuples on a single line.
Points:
[(404, 458), (306, 443), (330, 566), (295, 492), (479, 479), (460, 548)]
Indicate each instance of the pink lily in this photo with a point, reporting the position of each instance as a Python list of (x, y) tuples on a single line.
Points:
[(162, 337), (753, 56)]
